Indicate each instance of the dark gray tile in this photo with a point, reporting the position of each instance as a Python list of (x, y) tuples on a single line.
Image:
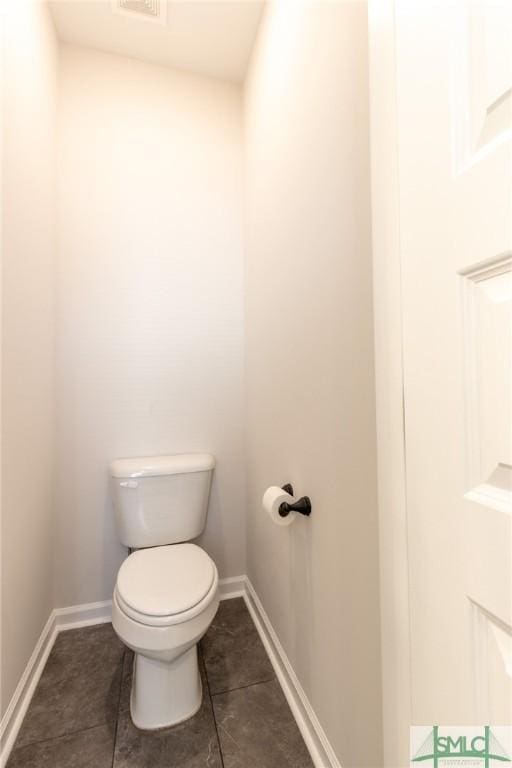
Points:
[(126, 685), (233, 652), (79, 687), (97, 647), (257, 730), (192, 744), (86, 749), (84, 694)]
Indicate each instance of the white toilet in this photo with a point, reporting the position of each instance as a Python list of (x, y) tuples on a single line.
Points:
[(166, 592)]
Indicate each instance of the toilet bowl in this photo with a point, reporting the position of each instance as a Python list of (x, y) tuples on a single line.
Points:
[(164, 600)]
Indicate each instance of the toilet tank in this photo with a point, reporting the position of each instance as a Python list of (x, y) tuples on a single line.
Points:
[(161, 500)]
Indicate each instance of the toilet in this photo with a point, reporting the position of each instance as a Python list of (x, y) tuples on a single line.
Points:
[(166, 593)]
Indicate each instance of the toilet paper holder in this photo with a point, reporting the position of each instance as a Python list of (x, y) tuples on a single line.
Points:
[(302, 505)]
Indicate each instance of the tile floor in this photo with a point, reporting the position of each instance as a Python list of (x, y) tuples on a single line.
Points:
[(79, 716)]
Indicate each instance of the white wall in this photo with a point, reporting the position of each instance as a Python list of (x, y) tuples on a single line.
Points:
[(150, 299), (310, 379), (29, 68)]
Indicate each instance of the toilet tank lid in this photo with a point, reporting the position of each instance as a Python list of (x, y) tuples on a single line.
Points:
[(152, 466)]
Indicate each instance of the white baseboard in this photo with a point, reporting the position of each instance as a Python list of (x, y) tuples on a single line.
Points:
[(76, 616), (322, 754), (15, 712), (232, 587)]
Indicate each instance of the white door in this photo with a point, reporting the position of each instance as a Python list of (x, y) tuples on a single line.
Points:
[(454, 104)]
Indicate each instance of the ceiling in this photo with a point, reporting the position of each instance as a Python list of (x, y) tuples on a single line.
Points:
[(208, 37)]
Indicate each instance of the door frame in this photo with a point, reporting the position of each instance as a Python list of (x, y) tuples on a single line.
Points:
[(389, 384)]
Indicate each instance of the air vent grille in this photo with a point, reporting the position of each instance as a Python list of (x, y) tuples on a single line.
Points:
[(147, 7), (151, 10)]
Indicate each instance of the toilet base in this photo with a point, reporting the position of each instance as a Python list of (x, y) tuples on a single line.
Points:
[(165, 693)]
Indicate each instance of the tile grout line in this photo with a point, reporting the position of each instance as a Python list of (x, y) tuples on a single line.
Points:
[(60, 736), (242, 687), (118, 706), (211, 706)]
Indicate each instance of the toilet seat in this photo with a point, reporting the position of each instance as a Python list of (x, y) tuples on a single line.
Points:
[(166, 585)]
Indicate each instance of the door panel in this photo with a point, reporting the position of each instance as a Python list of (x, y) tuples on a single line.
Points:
[(454, 95), (487, 301), (480, 75)]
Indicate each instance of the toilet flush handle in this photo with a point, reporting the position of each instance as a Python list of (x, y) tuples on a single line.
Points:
[(129, 484)]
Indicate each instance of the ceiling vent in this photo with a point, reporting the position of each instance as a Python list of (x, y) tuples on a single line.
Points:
[(150, 10)]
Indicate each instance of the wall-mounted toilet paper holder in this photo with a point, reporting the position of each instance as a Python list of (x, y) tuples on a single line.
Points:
[(303, 505)]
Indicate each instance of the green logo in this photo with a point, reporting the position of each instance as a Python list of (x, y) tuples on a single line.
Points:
[(468, 746)]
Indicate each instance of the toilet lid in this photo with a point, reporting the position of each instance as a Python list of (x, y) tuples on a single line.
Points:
[(164, 581)]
